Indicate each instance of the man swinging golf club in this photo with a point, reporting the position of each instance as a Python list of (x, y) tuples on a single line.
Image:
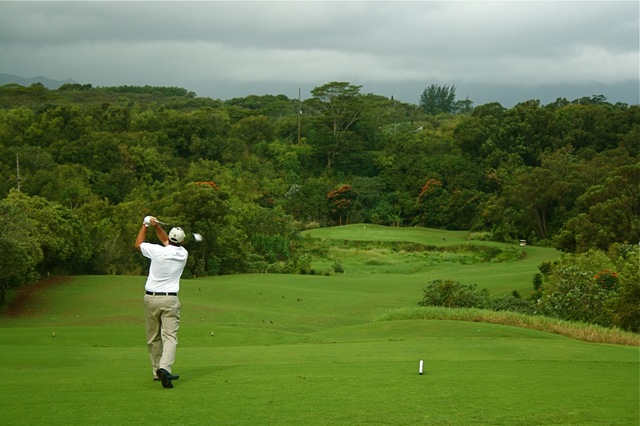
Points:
[(162, 306)]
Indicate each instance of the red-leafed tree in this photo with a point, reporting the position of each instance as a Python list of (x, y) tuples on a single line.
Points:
[(342, 200), (208, 183), (433, 203)]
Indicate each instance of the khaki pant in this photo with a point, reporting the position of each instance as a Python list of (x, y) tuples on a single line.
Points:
[(162, 319)]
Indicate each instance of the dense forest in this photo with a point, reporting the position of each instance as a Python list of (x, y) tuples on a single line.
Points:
[(81, 166)]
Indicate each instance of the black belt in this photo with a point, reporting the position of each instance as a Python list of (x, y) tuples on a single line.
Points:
[(160, 293)]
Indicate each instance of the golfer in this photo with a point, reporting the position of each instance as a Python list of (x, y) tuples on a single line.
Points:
[(162, 306)]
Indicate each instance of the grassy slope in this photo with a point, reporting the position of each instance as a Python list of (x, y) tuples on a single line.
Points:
[(503, 278), (282, 349)]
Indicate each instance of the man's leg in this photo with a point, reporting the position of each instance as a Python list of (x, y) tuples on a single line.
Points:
[(170, 318), (153, 331)]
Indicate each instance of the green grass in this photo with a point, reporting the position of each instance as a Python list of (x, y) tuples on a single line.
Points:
[(301, 349), (585, 332), (421, 267)]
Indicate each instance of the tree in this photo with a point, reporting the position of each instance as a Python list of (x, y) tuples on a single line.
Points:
[(67, 184), (537, 194), (22, 251), (437, 99), (202, 206), (607, 213), (254, 129), (341, 106), (464, 106), (307, 202), (433, 203), (371, 192), (624, 308), (527, 130), (112, 229), (14, 123), (342, 202), (39, 237), (59, 233), (572, 291)]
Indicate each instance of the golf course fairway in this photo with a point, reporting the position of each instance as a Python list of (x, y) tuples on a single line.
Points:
[(267, 349)]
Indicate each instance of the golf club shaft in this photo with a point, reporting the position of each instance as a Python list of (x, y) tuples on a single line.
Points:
[(196, 236)]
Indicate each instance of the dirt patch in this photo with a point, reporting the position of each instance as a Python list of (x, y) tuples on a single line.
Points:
[(26, 295)]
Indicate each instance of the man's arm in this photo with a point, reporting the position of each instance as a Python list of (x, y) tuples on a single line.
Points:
[(142, 234), (162, 236)]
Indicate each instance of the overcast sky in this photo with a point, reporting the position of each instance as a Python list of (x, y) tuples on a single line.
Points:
[(504, 51)]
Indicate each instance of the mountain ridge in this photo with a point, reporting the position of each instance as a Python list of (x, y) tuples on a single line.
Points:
[(28, 81)]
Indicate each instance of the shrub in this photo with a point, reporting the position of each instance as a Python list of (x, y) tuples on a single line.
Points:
[(624, 307), (511, 302), (607, 279), (453, 294), (572, 291), (311, 225), (480, 236), (271, 247), (537, 287)]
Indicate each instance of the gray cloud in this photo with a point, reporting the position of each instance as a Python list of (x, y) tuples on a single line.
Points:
[(229, 49)]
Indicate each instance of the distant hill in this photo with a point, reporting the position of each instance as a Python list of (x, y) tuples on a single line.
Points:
[(28, 81)]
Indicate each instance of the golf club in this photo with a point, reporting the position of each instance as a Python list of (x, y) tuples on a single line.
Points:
[(196, 236)]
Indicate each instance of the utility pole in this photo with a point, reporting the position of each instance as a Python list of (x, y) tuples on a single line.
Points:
[(299, 116), (18, 178)]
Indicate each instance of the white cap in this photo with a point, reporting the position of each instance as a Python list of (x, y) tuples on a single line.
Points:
[(176, 235)]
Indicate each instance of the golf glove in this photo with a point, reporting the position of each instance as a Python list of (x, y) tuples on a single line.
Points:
[(147, 221)]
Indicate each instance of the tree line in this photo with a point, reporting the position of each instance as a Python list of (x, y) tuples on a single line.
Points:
[(81, 165)]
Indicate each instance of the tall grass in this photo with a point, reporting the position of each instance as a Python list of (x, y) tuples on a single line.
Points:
[(397, 257), (580, 331)]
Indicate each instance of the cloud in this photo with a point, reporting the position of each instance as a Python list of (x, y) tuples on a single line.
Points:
[(204, 44)]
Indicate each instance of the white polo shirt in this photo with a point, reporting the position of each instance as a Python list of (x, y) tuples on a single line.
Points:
[(167, 264)]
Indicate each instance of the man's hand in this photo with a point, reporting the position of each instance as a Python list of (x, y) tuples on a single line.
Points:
[(142, 234), (150, 221)]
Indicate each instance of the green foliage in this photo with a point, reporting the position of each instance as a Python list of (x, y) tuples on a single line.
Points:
[(564, 173), (167, 91), (437, 99), (341, 201), (39, 237), (308, 202), (340, 105), (571, 291), (593, 287), (510, 302), (624, 307), (272, 248), (537, 287), (453, 294), (607, 212), (338, 268), (22, 251), (432, 203)]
